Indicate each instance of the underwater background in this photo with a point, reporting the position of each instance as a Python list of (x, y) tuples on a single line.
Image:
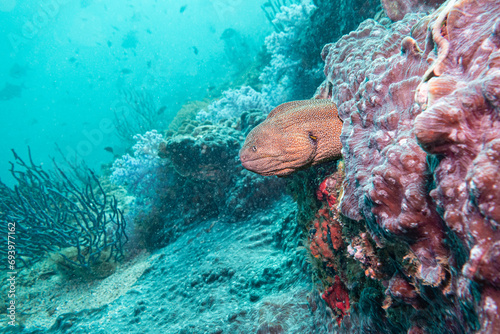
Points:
[(66, 63), (128, 205)]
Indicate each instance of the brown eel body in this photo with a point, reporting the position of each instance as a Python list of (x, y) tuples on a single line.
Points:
[(294, 136)]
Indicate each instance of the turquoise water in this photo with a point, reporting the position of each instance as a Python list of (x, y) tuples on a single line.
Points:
[(180, 225), (63, 64), (176, 238)]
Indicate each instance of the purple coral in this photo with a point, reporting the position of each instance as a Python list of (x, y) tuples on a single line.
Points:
[(419, 101), (143, 173), (459, 96), (373, 83)]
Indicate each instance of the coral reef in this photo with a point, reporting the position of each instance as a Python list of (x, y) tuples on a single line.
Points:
[(233, 103), (396, 10), (293, 70), (192, 174), (460, 125), (256, 284), (285, 75), (207, 154), (377, 107), (144, 174), (419, 101), (402, 235), (52, 212)]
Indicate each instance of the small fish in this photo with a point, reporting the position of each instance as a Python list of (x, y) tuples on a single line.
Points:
[(72, 59), (149, 31), (109, 149), (195, 50), (10, 91), (161, 110), (149, 63), (126, 71), (183, 8), (109, 43)]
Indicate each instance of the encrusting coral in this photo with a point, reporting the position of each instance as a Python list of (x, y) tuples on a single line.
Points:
[(373, 72), (337, 298), (421, 140), (397, 9), (460, 125)]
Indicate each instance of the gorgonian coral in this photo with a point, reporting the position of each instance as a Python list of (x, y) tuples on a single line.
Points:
[(53, 211)]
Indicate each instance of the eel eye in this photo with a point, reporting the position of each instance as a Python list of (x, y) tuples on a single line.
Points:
[(314, 138), (254, 149)]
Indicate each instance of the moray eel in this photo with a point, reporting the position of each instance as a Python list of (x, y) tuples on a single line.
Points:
[(294, 136)]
